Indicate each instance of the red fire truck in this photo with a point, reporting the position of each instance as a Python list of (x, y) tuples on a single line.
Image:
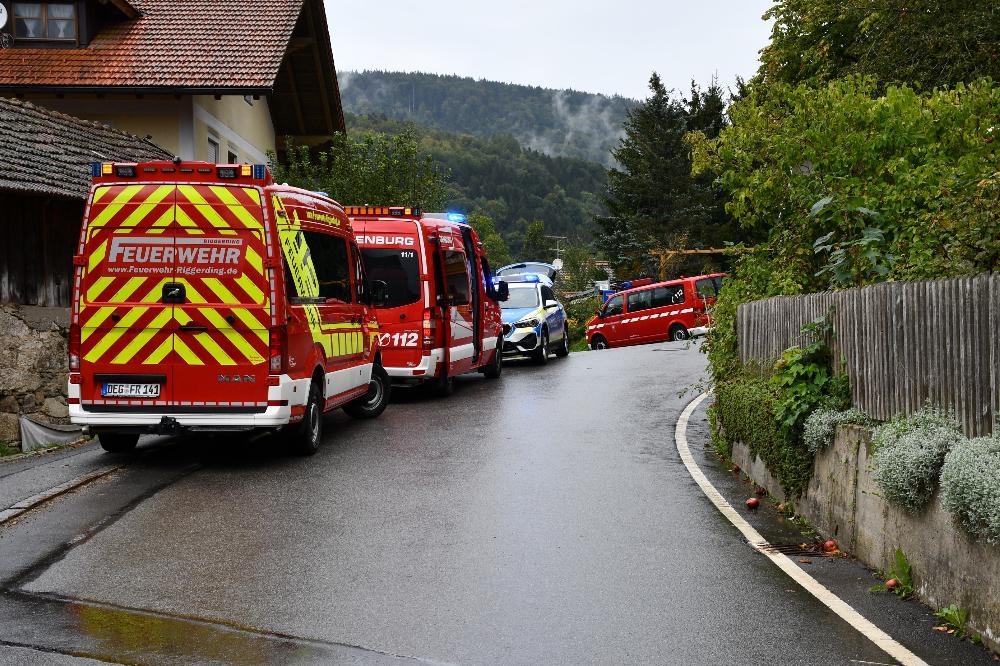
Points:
[(441, 317), (206, 298)]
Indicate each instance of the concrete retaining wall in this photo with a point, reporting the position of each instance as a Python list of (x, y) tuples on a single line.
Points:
[(33, 367), (843, 501)]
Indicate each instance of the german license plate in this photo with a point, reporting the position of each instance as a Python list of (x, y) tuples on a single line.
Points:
[(130, 390)]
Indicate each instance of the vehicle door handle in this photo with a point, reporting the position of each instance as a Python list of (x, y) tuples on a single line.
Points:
[(194, 328)]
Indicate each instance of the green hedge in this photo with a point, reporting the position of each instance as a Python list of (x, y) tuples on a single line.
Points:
[(745, 410)]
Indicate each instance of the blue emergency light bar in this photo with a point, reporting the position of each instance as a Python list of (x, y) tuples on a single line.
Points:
[(456, 217)]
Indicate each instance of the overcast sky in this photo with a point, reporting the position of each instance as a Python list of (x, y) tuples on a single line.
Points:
[(596, 46)]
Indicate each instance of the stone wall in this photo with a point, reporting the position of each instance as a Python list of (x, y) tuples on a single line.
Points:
[(843, 501), (33, 366)]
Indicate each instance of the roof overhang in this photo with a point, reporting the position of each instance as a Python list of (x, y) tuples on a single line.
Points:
[(124, 7), (305, 104)]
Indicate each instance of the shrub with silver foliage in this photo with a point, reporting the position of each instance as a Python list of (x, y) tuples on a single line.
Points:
[(822, 424), (970, 487), (909, 453)]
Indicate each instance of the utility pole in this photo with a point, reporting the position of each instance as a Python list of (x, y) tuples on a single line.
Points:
[(557, 249)]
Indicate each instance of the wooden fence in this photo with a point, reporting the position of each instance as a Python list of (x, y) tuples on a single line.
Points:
[(903, 344)]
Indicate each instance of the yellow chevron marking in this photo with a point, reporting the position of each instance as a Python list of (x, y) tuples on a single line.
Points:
[(160, 352), (185, 221), (115, 206), (253, 194), (100, 192), (250, 288), (92, 325), (147, 206), (97, 256), (97, 351), (185, 352), (102, 314), (213, 348), (163, 222), (127, 290), (252, 323), (182, 317), (255, 260), (96, 289), (233, 336), (206, 210), (142, 338), (220, 290), (245, 216)]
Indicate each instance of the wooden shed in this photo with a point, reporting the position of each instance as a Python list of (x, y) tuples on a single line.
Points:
[(45, 160)]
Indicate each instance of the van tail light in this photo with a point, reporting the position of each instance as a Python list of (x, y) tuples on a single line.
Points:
[(74, 347), (279, 350), (429, 328)]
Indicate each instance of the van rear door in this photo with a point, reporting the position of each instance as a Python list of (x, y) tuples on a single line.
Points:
[(222, 320), (125, 325)]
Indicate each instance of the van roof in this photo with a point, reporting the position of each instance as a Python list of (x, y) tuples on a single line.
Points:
[(667, 282)]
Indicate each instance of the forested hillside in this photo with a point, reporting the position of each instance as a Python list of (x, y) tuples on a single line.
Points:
[(555, 122), (511, 184)]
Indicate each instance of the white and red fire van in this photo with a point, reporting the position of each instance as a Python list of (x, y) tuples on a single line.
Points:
[(206, 298), (441, 316), (674, 310)]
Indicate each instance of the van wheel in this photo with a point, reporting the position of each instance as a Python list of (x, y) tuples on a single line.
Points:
[(117, 442), (443, 386), (305, 437), (375, 401), (541, 354), (598, 342), (493, 370), (678, 333), (562, 351)]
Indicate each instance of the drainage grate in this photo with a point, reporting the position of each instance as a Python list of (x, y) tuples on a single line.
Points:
[(814, 549)]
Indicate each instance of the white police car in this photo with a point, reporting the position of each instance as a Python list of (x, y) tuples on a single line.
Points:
[(534, 321)]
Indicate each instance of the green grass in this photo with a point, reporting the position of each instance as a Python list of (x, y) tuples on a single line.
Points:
[(7, 450)]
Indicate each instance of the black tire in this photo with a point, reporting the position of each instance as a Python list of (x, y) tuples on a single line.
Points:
[(599, 342), (375, 401), (541, 353), (495, 369), (562, 351), (304, 438), (678, 333), (117, 442)]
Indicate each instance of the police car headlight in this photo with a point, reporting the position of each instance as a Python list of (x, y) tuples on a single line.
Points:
[(527, 323)]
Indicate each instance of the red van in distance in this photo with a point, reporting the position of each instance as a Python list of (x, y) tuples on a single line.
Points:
[(441, 317), (674, 310)]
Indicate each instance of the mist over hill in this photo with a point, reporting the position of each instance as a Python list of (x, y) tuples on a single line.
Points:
[(560, 123), (512, 184)]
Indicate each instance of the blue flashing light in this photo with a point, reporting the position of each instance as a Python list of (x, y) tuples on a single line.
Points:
[(456, 217), (95, 169), (530, 278), (259, 171)]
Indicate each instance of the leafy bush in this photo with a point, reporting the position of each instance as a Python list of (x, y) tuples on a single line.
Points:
[(970, 487), (821, 426), (909, 453), (746, 409), (802, 376)]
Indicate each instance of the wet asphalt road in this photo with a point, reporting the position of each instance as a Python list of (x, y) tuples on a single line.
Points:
[(542, 518)]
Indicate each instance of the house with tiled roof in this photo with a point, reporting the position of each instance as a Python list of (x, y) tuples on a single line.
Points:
[(216, 80), (44, 180)]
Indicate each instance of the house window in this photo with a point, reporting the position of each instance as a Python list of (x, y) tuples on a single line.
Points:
[(233, 158), (213, 150), (45, 20)]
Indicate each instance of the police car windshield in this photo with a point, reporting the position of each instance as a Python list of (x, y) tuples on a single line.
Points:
[(398, 269), (521, 297)]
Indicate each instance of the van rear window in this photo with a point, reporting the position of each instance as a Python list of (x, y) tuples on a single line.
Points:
[(399, 270)]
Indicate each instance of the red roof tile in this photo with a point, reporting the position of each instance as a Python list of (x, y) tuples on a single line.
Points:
[(192, 44)]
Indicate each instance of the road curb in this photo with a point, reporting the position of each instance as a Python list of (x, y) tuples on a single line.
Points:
[(756, 540), (27, 504)]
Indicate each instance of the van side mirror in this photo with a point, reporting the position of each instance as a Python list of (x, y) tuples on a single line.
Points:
[(380, 293), (600, 314), (503, 291), (551, 304)]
